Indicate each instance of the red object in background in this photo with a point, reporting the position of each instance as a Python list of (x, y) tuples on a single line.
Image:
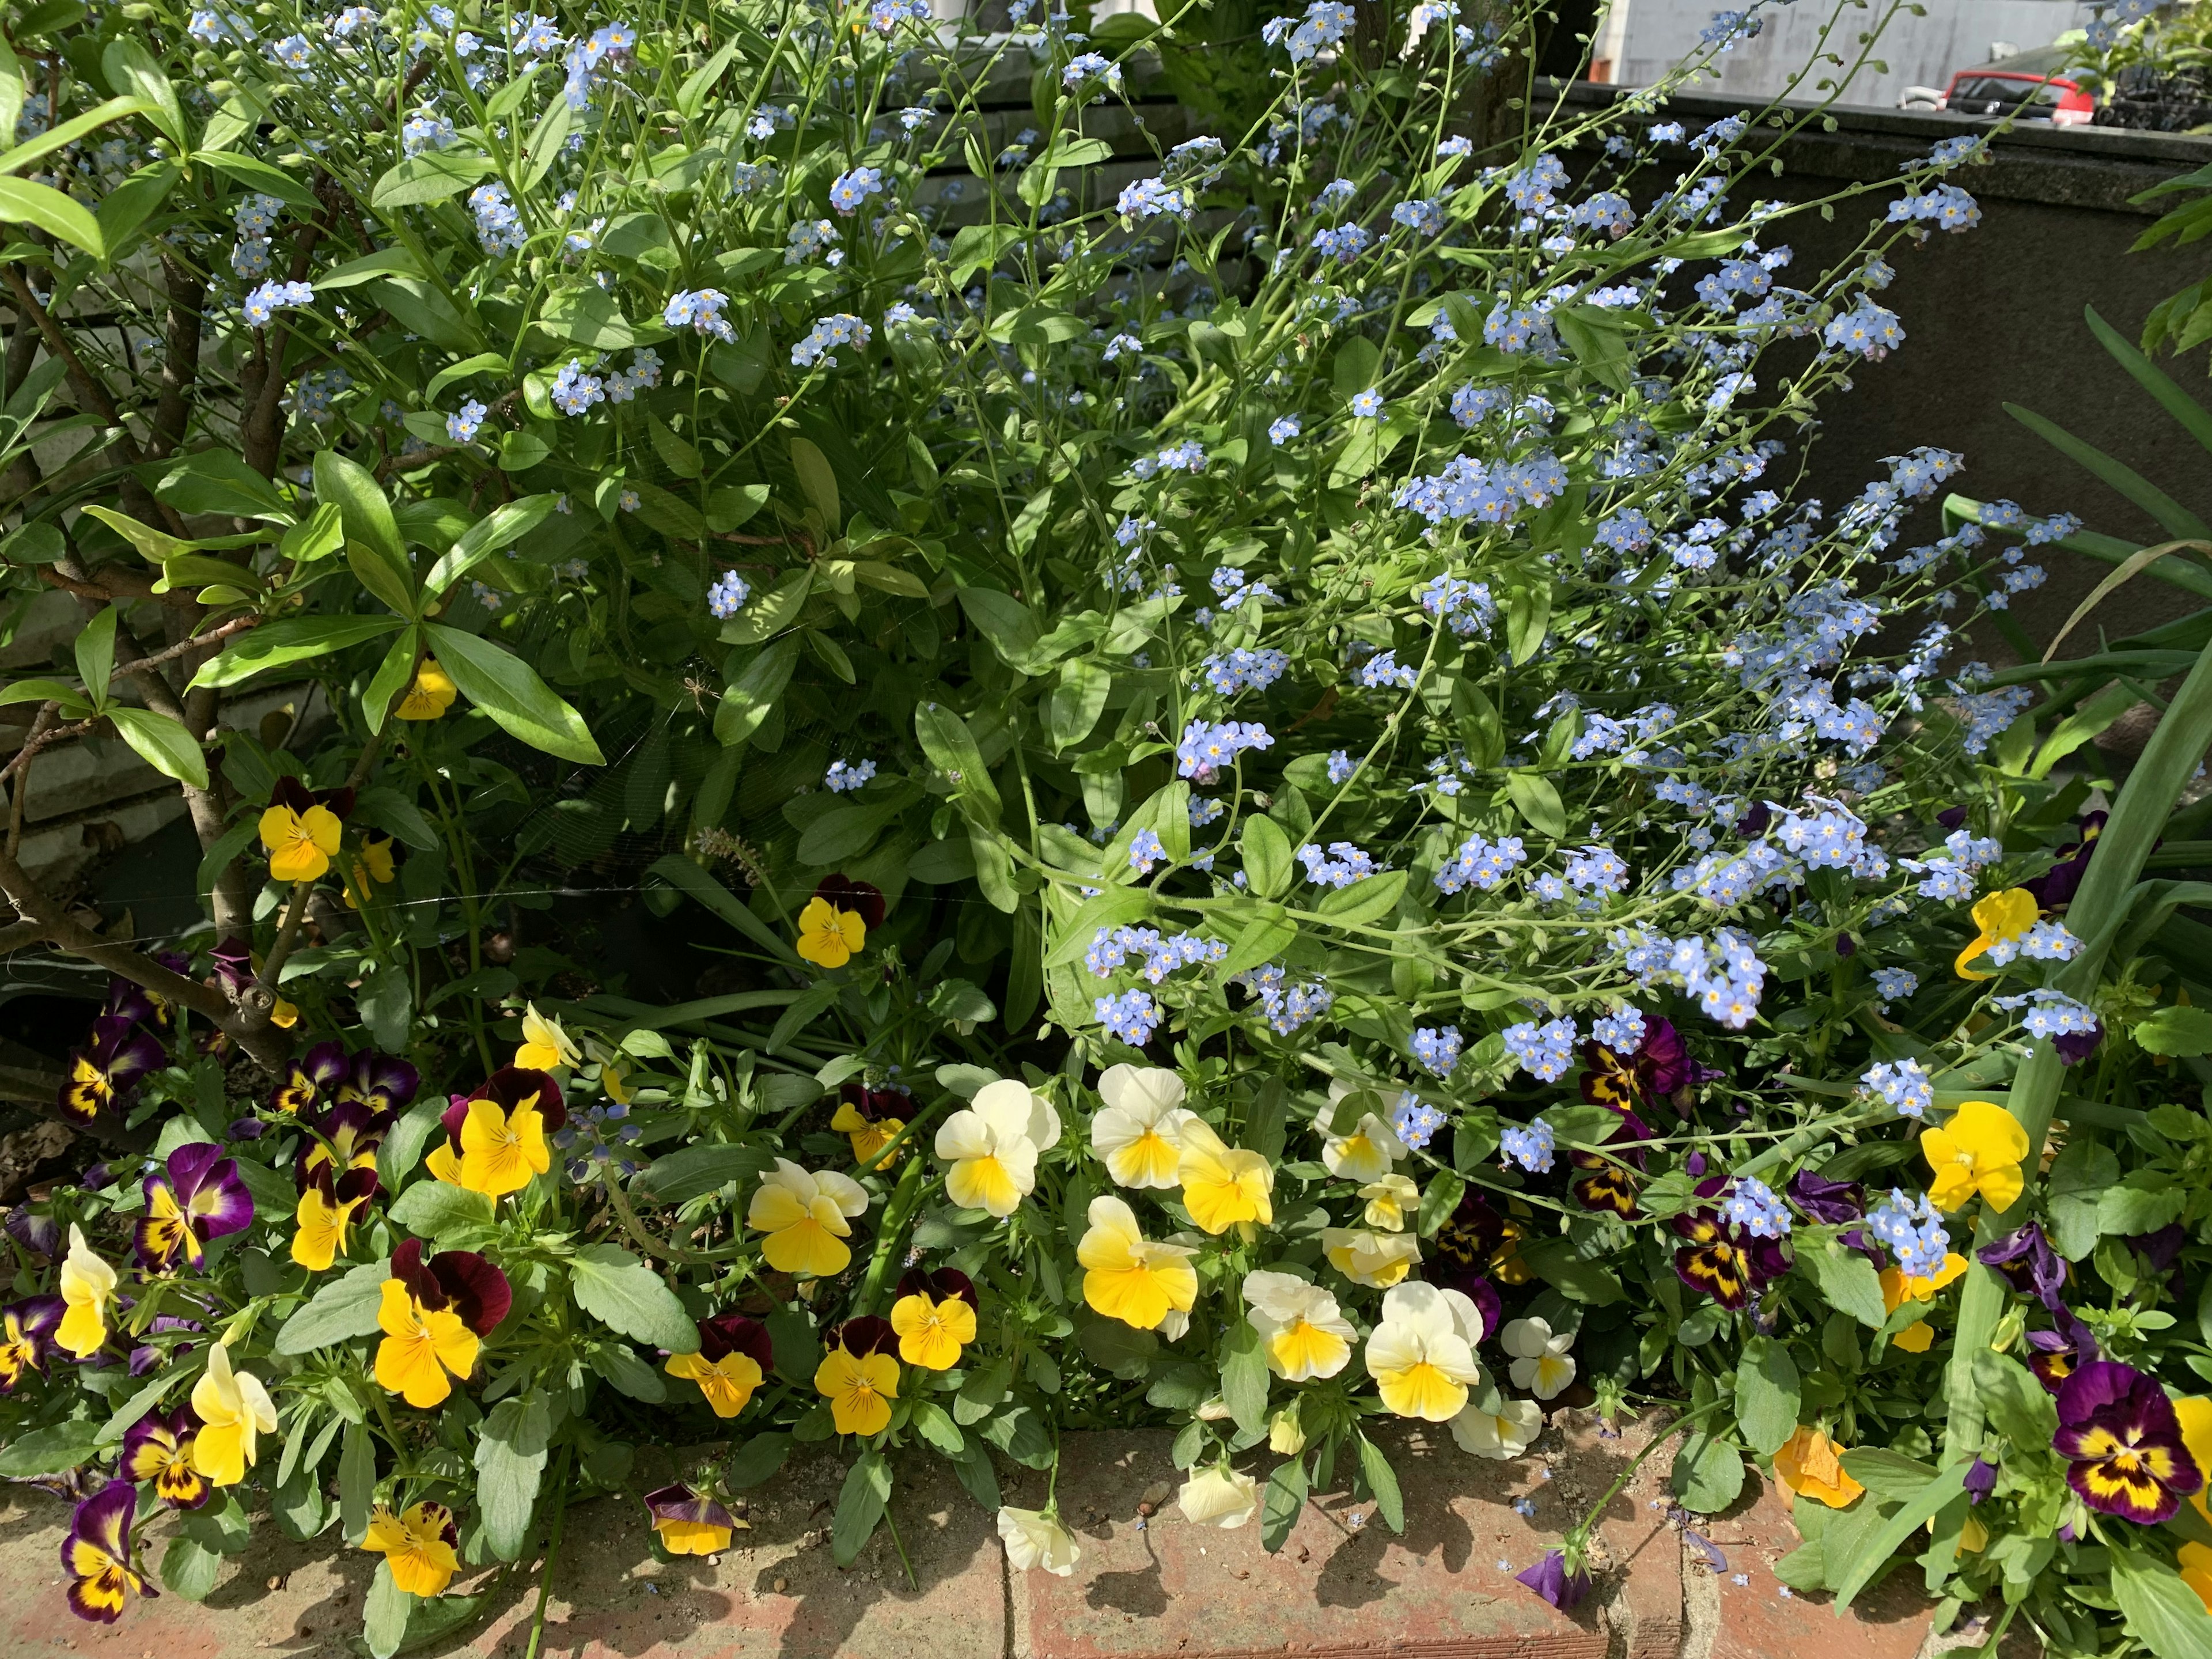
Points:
[(2054, 98)]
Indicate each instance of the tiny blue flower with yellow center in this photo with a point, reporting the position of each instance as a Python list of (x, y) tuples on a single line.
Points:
[(1368, 405)]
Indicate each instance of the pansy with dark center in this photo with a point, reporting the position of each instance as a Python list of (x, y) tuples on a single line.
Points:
[(347, 1133), (1606, 1182), (870, 1118), (310, 1079), (158, 1448), (734, 1356), (27, 1332), (98, 1557), (1726, 1261), (1834, 1202), (380, 1081), (1476, 1242), (103, 1074), (199, 1198), (2123, 1443)]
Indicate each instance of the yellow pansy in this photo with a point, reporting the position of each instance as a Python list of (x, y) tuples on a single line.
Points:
[(501, 1150), (325, 1217), (2000, 916), (1129, 1276), (87, 1286), (1979, 1150), (372, 866), (421, 1346), (1810, 1465), (803, 1214), (1303, 1332), (1899, 1288), (234, 1411), (301, 844), (1377, 1260), (418, 1546), (1223, 1185), (1391, 1202), (861, 1381), (429, 693), (829, 937), (544, 1044), (1138, 1135), (1422, 1355), (934, 1317)]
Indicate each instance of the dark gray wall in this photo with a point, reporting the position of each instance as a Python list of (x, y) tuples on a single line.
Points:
[(1995, 315)]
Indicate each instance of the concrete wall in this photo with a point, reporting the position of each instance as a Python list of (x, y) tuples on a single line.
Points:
[(1654, 36), (1995, 315)]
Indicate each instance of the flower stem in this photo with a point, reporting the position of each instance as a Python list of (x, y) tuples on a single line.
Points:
[(1581, 1532), (552, 1555)]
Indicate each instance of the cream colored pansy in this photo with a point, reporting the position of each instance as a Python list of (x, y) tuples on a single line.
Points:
[(1128, 1277), (1219, 1497), (804, 1214), (1139, 1134), (1391, 1202), (1223, 1185), (992, 1147), (1377, 1260), (1303, 1332), (1356, 1144), (1422, 1355), (87, 1286), (1540, 1361), (1286, 1436), (1035, 1538), (1499, 1434)]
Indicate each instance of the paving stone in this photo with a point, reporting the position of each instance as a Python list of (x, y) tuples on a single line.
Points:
[(1342, 1585), (776, 1593), (1761, 1619)]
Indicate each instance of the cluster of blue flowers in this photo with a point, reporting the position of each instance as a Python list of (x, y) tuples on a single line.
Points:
[(1340, 866), (1532, 1148), (1752, 1205), (1244, 669), (1903, 1084), (1203, 749), (1911, 1228), (1480, 864), (1437, 1048), (1113, 946), (845, 776), (1132, 1016), (728, 595), (1287, 1006), (1546, 1051)]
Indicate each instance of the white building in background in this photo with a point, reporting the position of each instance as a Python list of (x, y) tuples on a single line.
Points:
[(1639, 40)]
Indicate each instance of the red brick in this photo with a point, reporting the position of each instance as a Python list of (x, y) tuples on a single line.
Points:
[(1336, 1590), (1758, 1620), (1641, 1560)]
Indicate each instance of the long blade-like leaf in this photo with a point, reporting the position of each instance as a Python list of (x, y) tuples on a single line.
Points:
[(2170, 398), (2137, 563), (2172, 517)]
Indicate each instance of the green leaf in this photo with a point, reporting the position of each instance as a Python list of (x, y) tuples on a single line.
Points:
[(1281, 1504), (1766, 1394), (43, 691), (2162, 1611), (25, 203), (95, 648), (758, 1460), (500, 528), (219, 481), (1263, 939), (818, 479), (50, 1450), (162, 743), (677, 455), (1365, 900), (431, 177), (435, 1209), (380, 695), (697, 1171), (1847, 1279), (1708, 1473), (189, 1569), (61, 137), (1382, 1480), (132, 72), (1556, 1261), (691, 96), (589, 316), (953, 749), (124, 209), (2174, 519), (1898, 1529), (372, 534), (509, 689), (623, 1293), (861, 1504), (269, 180), (384, 1617), (2175, 1031), (356, 1481), (1244, 1376), (547, 139), (1073, 706), (1010, 625), (511, 1453), (1266, 853), (1538, 803), (756, 693), (342, 1310)]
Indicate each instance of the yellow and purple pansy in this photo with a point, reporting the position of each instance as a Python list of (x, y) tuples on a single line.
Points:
[(1726, 1261), (158, 1448), (690, 1523), (497, 1138), (735, 1355), (197, 1198), (98, 1556), (2122, 1442), (27, 1332), (103, 1074), (434, 1314)]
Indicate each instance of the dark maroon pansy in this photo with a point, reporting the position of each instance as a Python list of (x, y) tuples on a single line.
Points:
[(732, 1333), (2030, 1266), (104, 1075), (863, 899), (2075, 1047), (939, 1283), (459, 1279), (381, 1081), (295, 796), (877, 1104), (2057, 885), (1722, 1259), (866, 1334), (347, 1134)]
